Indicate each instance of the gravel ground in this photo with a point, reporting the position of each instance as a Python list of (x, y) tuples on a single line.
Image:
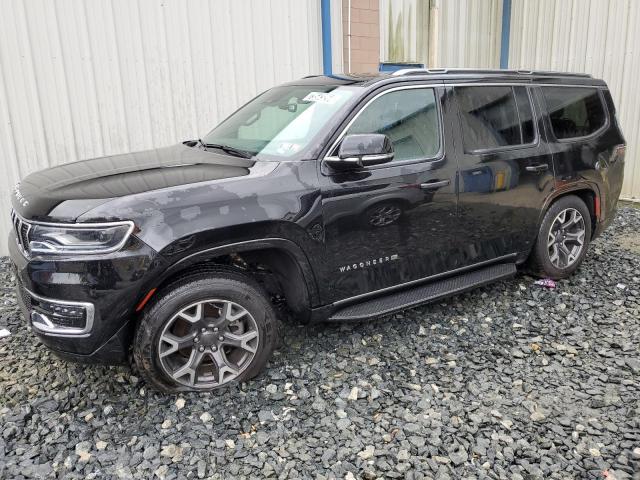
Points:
[(509, 381)]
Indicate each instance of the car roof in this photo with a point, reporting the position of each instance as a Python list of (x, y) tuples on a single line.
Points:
[(452, 75)]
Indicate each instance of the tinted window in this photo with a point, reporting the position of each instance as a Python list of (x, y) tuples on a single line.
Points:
[(494, 117), (408, 117), (574, 112)]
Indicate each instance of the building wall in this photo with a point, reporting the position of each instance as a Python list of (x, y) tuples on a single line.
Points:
[(600, 37), (466, 34), (361, 42), (404, 28), (82, 79)]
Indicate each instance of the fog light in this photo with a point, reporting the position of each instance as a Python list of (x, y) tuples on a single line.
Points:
[(41, 321), (59, 314), (58, 317)]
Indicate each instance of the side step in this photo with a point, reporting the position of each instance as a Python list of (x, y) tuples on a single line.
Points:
[(426, 293)]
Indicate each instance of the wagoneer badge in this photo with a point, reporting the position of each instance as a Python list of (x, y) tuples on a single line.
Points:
[(368, 263)]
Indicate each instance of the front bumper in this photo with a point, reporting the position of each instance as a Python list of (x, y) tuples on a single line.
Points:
[(83, 307)]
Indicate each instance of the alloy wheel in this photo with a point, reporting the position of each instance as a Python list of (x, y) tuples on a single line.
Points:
[(566, 238), (209, 343)]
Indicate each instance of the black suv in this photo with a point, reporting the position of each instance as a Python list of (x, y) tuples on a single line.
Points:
[(328, 198)]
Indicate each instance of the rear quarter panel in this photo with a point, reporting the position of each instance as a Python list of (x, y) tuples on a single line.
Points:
[(591, 162)]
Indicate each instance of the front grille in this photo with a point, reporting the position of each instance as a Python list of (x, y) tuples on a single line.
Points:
[(21, 229), (26, 298)]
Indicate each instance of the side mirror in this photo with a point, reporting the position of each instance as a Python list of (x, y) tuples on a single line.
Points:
[(362, 150)]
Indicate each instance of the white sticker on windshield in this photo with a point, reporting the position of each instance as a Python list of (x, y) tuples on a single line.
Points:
[(321, 97)]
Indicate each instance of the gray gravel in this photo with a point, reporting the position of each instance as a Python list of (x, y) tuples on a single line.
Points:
[(509, 381)]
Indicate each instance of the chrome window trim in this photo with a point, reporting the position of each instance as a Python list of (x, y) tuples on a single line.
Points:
[(59, 331), (79, 226), (525, 83), (395, 163)]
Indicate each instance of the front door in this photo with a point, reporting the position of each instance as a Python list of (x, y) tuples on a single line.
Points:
[(506, 169), (394, 223)]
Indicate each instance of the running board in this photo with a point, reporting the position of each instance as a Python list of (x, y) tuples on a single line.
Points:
[(419, 295)]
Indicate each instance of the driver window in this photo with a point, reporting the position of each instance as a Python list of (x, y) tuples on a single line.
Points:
[(409, 117)]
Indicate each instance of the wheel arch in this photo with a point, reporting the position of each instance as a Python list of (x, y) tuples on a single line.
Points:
[(589, 193), (281, 257)]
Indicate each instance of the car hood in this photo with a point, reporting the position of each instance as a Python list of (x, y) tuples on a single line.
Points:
[(65, 192)]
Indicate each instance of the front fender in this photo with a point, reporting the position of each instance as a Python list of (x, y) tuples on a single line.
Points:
[(291, 248)]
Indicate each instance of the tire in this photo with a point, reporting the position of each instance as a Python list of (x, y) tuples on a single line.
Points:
[(547, 260), (199, 318)]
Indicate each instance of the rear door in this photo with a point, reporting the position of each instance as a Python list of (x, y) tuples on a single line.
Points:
[(394, 223), (506, 169)]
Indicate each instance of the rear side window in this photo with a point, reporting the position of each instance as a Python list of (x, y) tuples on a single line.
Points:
[(409, 117), (574, 112), (495, 117)]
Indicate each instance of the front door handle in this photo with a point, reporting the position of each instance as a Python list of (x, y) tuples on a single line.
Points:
[(434, 185), (540, 167)]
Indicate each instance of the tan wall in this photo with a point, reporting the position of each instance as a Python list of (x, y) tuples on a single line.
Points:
[(365, 35)]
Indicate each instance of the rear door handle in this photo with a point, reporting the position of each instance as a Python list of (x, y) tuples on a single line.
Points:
[(434, 185), (541, 167)]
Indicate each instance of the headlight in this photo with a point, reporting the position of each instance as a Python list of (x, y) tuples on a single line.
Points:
[(90, 238)]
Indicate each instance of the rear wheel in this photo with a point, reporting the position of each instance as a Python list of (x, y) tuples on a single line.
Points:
[(563, 239), (205, 331)]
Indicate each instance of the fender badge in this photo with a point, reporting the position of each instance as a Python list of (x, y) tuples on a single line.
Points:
[(19, 197), (368, 263)]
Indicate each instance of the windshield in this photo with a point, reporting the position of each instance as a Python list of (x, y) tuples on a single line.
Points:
[(282, 121)]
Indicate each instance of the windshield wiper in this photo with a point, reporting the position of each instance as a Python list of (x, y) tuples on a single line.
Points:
[(227, 149)]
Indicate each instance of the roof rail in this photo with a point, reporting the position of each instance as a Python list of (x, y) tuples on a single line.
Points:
[(411, 71), (427, 71), (561, 74)]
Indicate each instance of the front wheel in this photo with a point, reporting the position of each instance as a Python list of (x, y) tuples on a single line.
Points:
[(563, 239), (205, 331)]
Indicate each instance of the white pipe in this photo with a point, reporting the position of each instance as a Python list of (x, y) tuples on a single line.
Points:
[(349, 36)]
